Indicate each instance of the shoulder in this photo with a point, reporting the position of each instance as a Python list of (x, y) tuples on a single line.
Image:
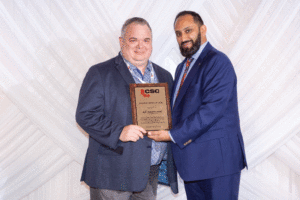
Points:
[(218, 64), (105, 64), (217, 59), (218, 56), (103, 67)]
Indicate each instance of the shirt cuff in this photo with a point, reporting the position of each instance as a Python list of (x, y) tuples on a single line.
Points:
[(171, 137)]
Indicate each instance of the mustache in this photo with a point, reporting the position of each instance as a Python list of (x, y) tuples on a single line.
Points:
[(182, 43)]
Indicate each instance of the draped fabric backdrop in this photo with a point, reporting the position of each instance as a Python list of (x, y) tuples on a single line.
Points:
[(47, 46)]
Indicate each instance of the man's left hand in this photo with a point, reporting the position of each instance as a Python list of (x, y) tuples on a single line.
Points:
[(159, 136)]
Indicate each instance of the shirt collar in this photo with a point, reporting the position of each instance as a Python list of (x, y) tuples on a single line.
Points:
[(134, 68), (197, 54)]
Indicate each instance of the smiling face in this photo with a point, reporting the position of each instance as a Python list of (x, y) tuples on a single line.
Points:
[(189, 35), (136, 44)]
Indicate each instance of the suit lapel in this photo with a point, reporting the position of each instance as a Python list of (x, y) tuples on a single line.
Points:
[(177, 74), (159, 75), (192, 73), (122, 68), (178, 71)]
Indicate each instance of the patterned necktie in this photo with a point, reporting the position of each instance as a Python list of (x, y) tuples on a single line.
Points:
[(187, 66)]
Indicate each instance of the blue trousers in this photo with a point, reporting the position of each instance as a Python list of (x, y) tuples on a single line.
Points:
[(224, 187)]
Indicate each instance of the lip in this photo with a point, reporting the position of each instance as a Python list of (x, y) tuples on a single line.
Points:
[(187, 44), (139, 52)]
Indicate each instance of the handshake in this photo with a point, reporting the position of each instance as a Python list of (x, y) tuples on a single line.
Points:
[(134, 133)]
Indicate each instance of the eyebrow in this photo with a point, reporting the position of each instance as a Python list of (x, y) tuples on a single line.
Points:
[(134, 38), (185, 28)]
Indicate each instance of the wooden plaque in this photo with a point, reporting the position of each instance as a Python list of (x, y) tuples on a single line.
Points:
[(150, 104)]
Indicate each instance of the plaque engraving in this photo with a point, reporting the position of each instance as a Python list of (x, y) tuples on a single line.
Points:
[(150, 104)]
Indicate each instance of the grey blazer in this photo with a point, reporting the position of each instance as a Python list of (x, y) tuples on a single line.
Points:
[(103, 110)]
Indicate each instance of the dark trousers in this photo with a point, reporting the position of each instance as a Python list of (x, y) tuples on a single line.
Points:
[(224, 187), (149, 193)]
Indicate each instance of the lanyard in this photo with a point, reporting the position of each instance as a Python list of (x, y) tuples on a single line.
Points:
[(133, 74)]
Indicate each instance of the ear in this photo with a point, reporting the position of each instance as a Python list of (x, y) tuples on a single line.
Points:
[(203, 30)]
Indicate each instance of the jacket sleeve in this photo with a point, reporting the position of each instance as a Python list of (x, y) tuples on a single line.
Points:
[(217, 82), (90, 111)]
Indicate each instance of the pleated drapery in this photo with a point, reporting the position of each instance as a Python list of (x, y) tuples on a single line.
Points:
[(47, 46)]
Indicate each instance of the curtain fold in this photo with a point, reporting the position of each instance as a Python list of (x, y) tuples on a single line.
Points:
[(46, 48)]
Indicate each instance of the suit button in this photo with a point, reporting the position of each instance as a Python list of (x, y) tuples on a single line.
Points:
[(148, 146), (189, 141)]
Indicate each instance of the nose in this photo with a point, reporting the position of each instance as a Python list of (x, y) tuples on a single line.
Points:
[(184, 37), (140, 44)]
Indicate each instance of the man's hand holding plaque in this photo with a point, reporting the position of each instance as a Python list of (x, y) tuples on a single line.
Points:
[(132, 133), (159, 136)]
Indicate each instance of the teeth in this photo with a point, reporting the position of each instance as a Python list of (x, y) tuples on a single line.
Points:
[(186, 44)]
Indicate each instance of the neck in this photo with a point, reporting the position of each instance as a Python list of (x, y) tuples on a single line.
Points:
[(142, 68), (140, 65), (203, 40)]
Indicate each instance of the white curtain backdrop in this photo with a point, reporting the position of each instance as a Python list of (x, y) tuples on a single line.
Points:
[(47, 46)]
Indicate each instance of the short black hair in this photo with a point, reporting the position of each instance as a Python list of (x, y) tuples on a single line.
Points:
[(136, 20), (197, 19)]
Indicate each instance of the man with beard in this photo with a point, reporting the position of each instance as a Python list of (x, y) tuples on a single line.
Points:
[(207, 146)]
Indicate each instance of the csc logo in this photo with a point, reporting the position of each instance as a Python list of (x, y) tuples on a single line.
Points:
[(152, 91), (146, 92)]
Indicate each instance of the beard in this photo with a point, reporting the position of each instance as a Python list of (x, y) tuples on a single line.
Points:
[(188, 52)]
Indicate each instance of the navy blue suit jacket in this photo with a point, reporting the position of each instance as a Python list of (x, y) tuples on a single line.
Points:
[(104, 108), (205, 119)]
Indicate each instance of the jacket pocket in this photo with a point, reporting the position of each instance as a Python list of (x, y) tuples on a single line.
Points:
[(105, 150)]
